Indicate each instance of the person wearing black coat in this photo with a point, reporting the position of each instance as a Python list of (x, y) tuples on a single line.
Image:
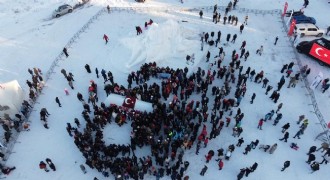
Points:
[(80, 97), (311, 150), (285, 137), (286, 165), (254, 167), (186, 165), (285, 66), (241, 28), (58, 102), (51, 164), (240, 142), (247, 149), (311, 158), (253, 97), (247, 171), (88, 69), (203, 170), (65, 51), (241, 174), (285, 127)]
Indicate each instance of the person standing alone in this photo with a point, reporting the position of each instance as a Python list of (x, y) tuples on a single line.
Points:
[(106, 38), (286, 165), (58, 102)]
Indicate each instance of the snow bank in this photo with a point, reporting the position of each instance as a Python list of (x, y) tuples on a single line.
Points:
[(163, 43)]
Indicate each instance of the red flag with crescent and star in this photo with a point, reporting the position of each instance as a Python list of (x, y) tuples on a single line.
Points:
[(320, 53), (293, 23), (129, 102), (285, 8)]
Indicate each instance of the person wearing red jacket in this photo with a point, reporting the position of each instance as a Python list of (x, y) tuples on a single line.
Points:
[(7, 170), (208, 157), (206, 141), (106, 38), (43, 166), (261, 121), (227, 121), (220, 164)]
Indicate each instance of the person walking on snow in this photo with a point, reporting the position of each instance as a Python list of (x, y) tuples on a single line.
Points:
[(138, 30), (201, 14), (63, 71), (276, 39), (240, 142), (106, 38), (312, 150), (285, 127), (58, 102), (326, 159), (306, 2), (253, 97), (51, 164), (279, 107), (261, 121), (220, 164), (260, 50), (300, 132), (88, 69), (301, 117), (254, 167), (108, 8), (241, 174), (241, 28), (247, 149), (286, 165), (43, 166), (234, 38), (273, 148), (246, 19), (206, 141), (269, 115), (203, 170), (208, 55), (285, 137), (97, 72), (311, 157), (65, 51)]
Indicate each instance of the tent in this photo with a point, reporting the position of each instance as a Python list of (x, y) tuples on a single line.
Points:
[(11, 98)]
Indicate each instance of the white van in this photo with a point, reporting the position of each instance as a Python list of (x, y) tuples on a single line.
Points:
[(308, 30)]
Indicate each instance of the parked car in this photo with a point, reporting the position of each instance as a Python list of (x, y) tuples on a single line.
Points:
[(304, 19), (295, 13), (305, 29), (318, 49), (61, 10)]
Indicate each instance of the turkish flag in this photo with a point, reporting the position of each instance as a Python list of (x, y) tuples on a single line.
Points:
[(285, 8), (293, 23), (129, 102), (320, 53)]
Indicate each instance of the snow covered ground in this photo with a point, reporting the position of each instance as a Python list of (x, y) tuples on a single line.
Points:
[(29, 38)]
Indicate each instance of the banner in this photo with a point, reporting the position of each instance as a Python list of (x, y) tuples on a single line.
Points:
[(293, 23), (320, 53), (317, 81), (129, 102), (118, 100), (285, 8)]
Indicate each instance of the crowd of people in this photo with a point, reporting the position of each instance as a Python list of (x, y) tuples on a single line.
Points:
[(178, 121)]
